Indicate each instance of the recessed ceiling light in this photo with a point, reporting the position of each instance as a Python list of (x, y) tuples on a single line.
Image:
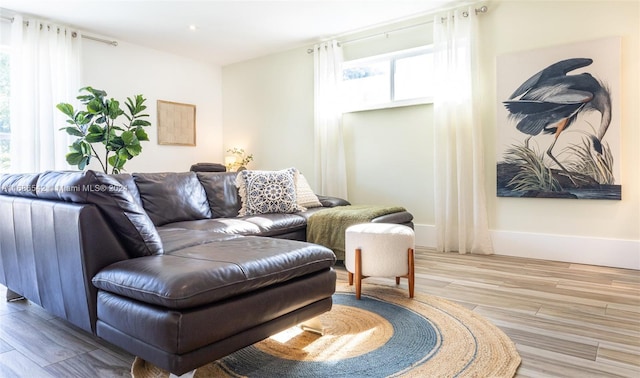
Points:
[(193, 27)]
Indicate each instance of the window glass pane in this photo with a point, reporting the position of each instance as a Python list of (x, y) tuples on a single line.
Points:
[(5, 128), (413, 78), (366, 84)]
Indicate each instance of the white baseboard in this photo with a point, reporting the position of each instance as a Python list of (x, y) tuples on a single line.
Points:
[(618, 253)]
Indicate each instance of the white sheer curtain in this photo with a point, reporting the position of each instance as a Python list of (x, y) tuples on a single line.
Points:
[(330, 166), (45, 70), (460, 203)]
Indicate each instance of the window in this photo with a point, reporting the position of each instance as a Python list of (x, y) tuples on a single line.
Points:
[(5, 126), (397, 79)]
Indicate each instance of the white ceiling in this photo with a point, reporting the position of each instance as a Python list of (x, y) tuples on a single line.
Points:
[(227, 31)]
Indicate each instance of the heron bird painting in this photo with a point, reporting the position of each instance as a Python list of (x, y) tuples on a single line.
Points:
[(558, 99)]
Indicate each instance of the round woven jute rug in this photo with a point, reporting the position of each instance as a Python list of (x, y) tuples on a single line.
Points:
[(385, 334)]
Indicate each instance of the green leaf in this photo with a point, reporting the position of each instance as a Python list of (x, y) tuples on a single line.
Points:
[(117, 162), (82, 118), (115, 143), (130, 106), (134, 150), (67, 109), (141, 134), (112, 146), (123, 155), (75, 147), (138, 106), (85, 98), (113, 160), (140, 122), (94, 129), (95, 134), (73, 131), (74, 158), (95, 106), (95, 92), (85, 148), (128, 137), (94, 137), (114, 110), (113, 135)]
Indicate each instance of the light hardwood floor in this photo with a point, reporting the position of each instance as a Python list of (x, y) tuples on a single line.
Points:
[(567, 320)]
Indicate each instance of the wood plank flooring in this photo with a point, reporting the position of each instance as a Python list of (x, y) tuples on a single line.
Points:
[(567, 320)]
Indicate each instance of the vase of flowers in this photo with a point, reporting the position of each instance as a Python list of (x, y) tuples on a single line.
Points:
[(238, 160)]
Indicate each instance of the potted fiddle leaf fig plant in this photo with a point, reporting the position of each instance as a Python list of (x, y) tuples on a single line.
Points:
[(98, 124)]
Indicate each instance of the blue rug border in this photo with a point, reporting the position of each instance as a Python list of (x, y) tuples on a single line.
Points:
[(414, 334)]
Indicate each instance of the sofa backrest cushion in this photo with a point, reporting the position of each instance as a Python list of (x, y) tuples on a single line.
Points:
[(172, 197), (128, 182), (19, 185), (222, 193), (128, 220)]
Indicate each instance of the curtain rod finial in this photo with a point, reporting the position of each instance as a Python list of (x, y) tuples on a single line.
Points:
[(482, 9)]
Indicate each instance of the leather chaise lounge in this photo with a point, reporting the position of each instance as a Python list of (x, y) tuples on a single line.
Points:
[(160, 264)]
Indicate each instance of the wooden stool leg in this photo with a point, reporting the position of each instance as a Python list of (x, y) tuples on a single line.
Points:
[(350, 275), (358, 272), (397, 280), (411, 273)]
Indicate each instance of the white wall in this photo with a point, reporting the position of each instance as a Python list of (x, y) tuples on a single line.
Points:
[(268, 108), (390, 159), (127, 70)]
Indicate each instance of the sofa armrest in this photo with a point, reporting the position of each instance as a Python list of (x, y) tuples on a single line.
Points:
[(328, 201), (50, 251)]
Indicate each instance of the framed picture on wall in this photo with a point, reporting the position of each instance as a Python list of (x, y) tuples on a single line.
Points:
[(558, 133), (176, 123)]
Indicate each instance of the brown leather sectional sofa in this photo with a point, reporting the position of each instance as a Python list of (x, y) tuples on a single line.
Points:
[(160, 264)]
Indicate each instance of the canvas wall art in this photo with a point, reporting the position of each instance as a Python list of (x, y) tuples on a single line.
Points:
[(176, 123), (559, 121)]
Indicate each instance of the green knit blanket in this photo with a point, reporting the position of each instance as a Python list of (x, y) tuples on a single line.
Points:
[(327, 227)]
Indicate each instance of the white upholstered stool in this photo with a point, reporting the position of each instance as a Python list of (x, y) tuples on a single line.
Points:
[(379, 250)]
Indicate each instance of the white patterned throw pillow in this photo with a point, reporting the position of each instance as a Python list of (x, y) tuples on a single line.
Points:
[(264, 192)]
